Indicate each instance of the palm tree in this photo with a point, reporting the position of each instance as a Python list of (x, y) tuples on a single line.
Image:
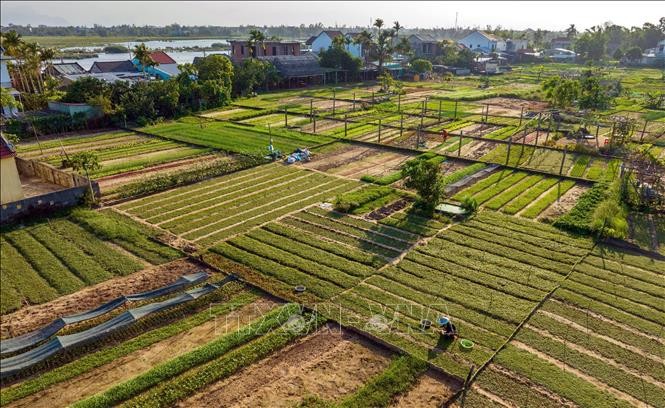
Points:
[(403, 47), (142, 54), (339, 42), (256, 37), (397, 26), (365, 40), (46, 56), (31, 64), (384, 46), (378, 23), (571, 32), (12, 43)]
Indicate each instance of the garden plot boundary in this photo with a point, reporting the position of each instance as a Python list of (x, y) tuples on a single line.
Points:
[(472, 377)]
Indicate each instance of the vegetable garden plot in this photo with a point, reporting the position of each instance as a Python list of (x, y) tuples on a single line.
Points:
[(217, 209), (116, 152), (232, 138), (56, 257), (486, 276)]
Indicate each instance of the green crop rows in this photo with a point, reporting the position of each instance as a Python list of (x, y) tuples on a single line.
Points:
[(56, 257)]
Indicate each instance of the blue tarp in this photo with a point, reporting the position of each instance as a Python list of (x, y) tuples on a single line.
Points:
[(12, 365), (27, 340)]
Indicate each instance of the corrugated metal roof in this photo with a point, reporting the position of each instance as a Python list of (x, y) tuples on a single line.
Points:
[(68, 68), (113, 66), (297, 65)]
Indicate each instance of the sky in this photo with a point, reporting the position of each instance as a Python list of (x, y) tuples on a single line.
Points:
[(551, 15)]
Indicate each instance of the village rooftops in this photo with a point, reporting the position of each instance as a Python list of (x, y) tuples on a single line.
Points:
[(162, 58), (113, 66), (67, 68), (292, 66)]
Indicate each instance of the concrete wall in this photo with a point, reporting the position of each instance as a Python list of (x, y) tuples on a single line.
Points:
[(75, 187), (10, 187), (73, 108), (49, 173), (44, 203)]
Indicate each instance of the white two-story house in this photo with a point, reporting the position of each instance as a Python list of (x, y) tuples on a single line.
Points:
[(324, 41)]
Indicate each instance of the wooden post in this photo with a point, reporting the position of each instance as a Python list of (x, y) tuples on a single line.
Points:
[(401, 124), (354, 101), (510, 143), (286, 117), (334, 100), (345, 124), (467, 384), (487, 112), (538, 128), (644, 129), (421, 121), (399, 102), (372, 96), (440, 102), (455, 116), (314, 123), (597, 131), (521, 116), (379, 130), (565, 149), (459, 146), (311, 110), (523, 142)]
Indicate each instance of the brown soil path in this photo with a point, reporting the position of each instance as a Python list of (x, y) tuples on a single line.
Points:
[(32, 317), (329, 364), (430, 390), (131, 365)]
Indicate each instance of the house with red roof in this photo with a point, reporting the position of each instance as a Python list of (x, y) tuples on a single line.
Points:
[(165, 68)]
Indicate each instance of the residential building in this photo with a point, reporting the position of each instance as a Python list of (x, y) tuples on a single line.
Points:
[(514, 46), (303, 70), (480, 41), (240, 50), (62, 69), (560, 54), (10, 188), (126, 66), (6, 82), (324, 41), (424, 46), (166, 67), (655, 56), (561, 42)]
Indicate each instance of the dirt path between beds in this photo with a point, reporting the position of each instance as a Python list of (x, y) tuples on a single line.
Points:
[(32, 317), (329, 363), (131, 365), (430, 390)]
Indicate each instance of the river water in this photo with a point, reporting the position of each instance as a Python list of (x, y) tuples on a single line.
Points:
[(181, 57)]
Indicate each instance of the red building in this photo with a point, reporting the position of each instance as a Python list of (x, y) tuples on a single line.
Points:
[(241, 50)]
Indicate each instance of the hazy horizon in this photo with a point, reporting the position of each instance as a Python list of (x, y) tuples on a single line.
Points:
[(551, 15)]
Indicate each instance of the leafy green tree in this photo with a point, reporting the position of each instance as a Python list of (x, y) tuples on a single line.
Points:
[(424, 176), (571, 32), (251, 74), (7, 100), (86, 161), (469, 203), (618, 54), (634, 54), (165, 96), (591, 45), (339, 58), (592, 94), (560, 92), (215, 76), (421, 66), (83, 89)]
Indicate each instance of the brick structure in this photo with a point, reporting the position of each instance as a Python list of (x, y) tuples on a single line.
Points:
[(240, 50)]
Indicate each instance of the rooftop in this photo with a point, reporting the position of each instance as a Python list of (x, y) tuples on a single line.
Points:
[(161, 58), (113, 66)]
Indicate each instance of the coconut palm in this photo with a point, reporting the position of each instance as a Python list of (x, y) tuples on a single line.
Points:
[(142, 54), (384, 47), (256, 37), (365, 39), (13, 44), (397, 27), (571, 32), (378, 23)]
